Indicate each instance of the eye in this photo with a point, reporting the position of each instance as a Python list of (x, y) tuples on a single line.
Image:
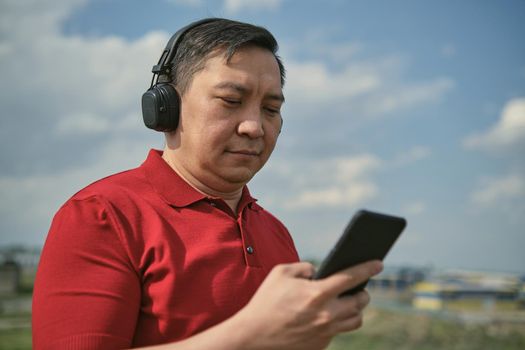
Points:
[(230, 101), (272, 111)]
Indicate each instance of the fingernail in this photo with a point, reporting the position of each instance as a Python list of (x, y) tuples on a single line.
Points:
[(379, 267)]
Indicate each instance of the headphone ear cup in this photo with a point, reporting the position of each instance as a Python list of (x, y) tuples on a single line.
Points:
[(161, 108)]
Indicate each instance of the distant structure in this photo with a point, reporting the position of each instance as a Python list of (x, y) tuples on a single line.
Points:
[(26, 257), (397, 279), (468, 291), (10, 273), (17, 268)]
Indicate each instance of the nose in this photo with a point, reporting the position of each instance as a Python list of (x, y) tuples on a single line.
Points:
[(251, 125)]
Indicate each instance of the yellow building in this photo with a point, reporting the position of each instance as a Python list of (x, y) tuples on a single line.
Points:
[(468, 292)]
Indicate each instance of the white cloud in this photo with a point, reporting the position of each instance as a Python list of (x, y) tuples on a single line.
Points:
[(349, 180), (190, 3), (348, 169), (78, 87), (338, 53), (409, 95), (414, 154), (318, 43), (23, 19), (5, 49), (414, 208), (72, 75), (366, 89), (349, 194), (42, 194), (314, 83), (82, 123), (497, 190), (508, 132), (236, 6), (337, 181)]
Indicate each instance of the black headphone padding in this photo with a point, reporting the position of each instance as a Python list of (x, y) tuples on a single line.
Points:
[(161, 107), (161, 103)]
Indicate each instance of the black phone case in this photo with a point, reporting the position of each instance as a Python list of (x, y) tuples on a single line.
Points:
[(368, 236)]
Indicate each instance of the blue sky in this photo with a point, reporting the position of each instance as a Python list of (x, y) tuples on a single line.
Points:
[(412, 108)]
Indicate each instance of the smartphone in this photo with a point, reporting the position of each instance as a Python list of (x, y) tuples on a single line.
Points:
[(368, 236)]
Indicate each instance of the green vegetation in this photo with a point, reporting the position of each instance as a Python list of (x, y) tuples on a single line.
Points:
[(15, 339), (15, 331), (382, 330), (27, 280), (405, 331)]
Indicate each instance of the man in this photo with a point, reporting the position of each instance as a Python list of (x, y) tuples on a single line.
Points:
[(177, 252)]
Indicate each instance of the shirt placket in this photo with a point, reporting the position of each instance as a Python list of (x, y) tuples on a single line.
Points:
[(251, 254)]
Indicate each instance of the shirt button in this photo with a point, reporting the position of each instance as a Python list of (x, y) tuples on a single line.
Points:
[(249, 249)]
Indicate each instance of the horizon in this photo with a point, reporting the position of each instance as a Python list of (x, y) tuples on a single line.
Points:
[(410, 109)]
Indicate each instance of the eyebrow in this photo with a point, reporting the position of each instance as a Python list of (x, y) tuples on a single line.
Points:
[(230, 85)]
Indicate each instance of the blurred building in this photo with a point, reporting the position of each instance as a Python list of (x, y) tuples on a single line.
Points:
[(17, 269), (397, 279), (10, 273), (468, 291)]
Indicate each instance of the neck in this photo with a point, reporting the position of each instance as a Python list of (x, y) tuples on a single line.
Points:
[(231, 198)]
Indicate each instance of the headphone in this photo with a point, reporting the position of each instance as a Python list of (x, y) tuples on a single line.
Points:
[(161, 103)]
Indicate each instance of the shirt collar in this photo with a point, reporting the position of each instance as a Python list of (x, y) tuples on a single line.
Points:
[(174, 189)]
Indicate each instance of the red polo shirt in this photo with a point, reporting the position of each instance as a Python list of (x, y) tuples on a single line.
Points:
[(141, 258)]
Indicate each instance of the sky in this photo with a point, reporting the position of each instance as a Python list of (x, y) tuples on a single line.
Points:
[(412, 108)]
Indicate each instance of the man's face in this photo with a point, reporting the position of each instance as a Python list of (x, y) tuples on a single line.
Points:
[(230, 119)]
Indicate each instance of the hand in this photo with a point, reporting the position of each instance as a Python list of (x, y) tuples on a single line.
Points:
[(290, 311)]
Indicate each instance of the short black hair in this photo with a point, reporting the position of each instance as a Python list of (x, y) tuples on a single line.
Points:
[(223, 35)]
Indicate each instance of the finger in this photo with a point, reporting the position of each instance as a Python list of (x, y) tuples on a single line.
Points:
[(345, 279), (363, 299), (359, 300), (299, 269), (348, 324), (350, 306)]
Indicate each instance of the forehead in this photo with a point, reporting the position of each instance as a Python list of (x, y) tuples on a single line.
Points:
[(247, 65)]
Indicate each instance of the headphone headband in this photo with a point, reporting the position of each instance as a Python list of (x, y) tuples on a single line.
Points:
[(163, 67)]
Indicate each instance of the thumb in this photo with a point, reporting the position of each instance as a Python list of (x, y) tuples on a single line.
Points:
[(301, 269)]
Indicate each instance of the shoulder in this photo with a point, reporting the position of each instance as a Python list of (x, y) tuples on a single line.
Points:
[(99, 215), (114, 200), (125, 194), (113, 186), (92, 205)]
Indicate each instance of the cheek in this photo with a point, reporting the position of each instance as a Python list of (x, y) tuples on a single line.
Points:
[(271, 134), (208, 128), (213, 138)]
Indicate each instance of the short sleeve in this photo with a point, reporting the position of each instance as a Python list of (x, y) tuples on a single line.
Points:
[(87, 292)]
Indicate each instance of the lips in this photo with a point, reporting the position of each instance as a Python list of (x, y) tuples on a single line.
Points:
[(246, 152)]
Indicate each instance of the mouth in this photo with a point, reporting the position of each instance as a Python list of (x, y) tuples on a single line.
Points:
[(245, 152)]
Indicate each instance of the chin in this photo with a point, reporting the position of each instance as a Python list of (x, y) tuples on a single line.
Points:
[(239, 176)]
